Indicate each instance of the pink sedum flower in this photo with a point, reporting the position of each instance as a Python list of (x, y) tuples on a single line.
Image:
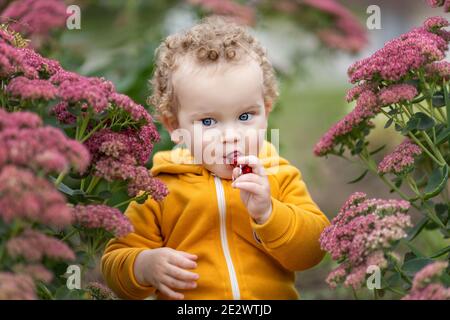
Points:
[(26, 89), (360, 234), (26, 196), (35, 17), (92, 91), (36, 271), (397, 93), (426, 283), (440, 3), (401, 160), (16, 287), (99, 291), (103, 217), (400, 56), (38, 148), (33, 246)]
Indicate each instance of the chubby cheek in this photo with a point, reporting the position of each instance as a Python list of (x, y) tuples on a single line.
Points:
[(254, 140)]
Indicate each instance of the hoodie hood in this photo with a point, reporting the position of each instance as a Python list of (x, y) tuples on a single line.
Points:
[(180, 161)]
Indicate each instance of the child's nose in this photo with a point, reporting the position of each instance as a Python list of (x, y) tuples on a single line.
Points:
[(231, 136)]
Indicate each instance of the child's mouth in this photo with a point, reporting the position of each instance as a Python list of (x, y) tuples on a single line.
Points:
[(231, 162)]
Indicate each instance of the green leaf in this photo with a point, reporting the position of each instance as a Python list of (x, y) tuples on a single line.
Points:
[(411, 267), (440, 252), (358, 147), (447, 103), (388, 123), (443, 136), (105, 194), (410, 125), (436, 182), (393, 281), (438, 101), (360, 177), (417, 228), (377, 150), (425, 122), (442, 212), (63, 188)]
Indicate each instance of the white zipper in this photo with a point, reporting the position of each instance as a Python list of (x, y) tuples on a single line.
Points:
[(224, 240)]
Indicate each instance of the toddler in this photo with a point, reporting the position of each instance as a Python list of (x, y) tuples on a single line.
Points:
[(222, 232)]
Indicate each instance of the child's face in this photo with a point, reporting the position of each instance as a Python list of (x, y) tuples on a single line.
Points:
[(221, 108)]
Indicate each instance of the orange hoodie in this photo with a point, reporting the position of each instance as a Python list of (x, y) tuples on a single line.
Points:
[(204, 215)]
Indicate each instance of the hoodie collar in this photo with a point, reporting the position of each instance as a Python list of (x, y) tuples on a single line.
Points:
[(180, 160)]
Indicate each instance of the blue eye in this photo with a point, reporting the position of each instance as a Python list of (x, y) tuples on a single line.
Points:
[(207, 121), (245, 116)]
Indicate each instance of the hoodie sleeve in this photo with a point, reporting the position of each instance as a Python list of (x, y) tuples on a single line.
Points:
[(119, 256), (291, 234)]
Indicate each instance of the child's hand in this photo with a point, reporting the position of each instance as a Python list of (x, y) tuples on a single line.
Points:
[(164, 269), (255, 189)]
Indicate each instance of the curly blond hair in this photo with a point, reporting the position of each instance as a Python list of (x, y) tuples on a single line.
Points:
[(215, 39)]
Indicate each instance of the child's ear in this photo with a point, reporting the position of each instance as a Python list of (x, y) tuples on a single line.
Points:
[(267, 108), (171, 124)]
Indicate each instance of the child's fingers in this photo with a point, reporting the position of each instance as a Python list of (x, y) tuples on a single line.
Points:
[(235, 173), (251, 187), (181, 274), (253, 162), (170, 293), (249, 177), (189, 255), (178, 284), (182, 261)]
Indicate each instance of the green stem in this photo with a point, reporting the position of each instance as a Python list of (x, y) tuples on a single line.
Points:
[(412, 136), (433, 147), (92, 184), (355, 296), (84, 124), (124, 202), (69, 235), (370, 163), (399, 292), (398, 269), (60, 178), (83, 139)]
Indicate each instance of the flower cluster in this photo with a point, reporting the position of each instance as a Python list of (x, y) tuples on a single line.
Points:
[(16, 287), (360, 234), (25, 196), (31, 89), (339, 29), (99, 291), (352, 124), (401, 160), (35, 18), (103, 217), (400, 56), (440, 3), (121, 156), (240, 13), (346, 33), (34, 78), (426, 284), (33, 246), (38, 147), (383, 80), (36, 271)]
